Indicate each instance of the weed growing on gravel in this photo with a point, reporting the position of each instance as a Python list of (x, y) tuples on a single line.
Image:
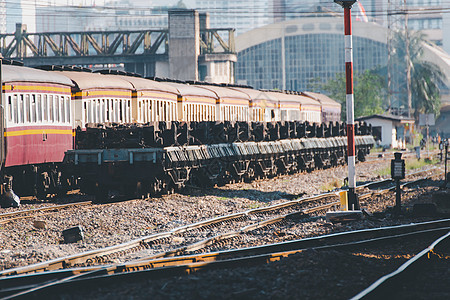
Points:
[(336, 183), (254, 205), (410, 164), (222, 198), (413, 163)]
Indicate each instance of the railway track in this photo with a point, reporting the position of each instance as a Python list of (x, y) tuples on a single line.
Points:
[(66, 280), (391, 284), (31, 213), (197, 236)]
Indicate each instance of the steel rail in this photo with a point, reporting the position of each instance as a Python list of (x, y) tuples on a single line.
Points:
[(386, 284), (98, 254), (16, 214), (238, 257), (244, 230)]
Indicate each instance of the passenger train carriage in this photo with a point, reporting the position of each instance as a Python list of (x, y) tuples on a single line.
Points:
[(331, 110), (152, 101), (263, 107), (99, 98), (194, 104), (294, 107), (231, 105), (38, 125)]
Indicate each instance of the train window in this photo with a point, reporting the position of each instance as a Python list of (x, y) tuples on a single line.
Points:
[(57, 108), (27, 109), (139, 111), (111, 110), (67, 109), (94, 111), (188, 113), (124, 110), (121, 110), (157, 110), (164, 108), (10, 109), (14, 109), (107, 110), (33, 109), (129, 111), (62, 106), (144, 110), (101, 106), (20, 108), (195, 112), (85, 111), (39, 108), (45, 108)]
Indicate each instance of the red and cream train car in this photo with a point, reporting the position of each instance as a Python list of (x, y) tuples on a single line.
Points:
[(38, 126)]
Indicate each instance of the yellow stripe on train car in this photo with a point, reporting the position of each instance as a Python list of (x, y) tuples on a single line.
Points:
[(23, 88), (38, 131)]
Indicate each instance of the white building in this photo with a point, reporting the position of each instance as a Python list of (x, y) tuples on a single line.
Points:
[(389, 131)]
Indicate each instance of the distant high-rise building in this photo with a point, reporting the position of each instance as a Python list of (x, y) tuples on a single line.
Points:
[(2, 16), (21, 11), (427, 16), (238, 14)]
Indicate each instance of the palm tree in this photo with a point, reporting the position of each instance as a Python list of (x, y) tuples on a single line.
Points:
[(426, 77)]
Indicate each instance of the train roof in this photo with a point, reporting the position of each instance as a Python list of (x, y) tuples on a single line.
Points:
[(142, 84), (323, 99), (185, 90), (12, 73), (287, 97), (256, 95), (225, 93), (86, 81)]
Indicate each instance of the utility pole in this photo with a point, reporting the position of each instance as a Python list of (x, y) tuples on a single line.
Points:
[(353, 203)]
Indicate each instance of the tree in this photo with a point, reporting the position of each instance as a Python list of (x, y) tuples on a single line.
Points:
[(369, 92), (426, 77)]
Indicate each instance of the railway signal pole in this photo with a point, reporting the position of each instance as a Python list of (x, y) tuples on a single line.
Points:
[(353, 203)]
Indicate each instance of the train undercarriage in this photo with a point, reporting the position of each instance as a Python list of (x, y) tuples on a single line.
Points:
[(212, 154)]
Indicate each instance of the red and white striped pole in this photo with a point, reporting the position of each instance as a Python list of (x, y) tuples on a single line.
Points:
[(353, 202)]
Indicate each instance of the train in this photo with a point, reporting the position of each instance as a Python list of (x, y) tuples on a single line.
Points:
[(51, 114)]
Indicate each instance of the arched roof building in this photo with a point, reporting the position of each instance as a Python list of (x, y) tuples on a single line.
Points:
[(311, 49)]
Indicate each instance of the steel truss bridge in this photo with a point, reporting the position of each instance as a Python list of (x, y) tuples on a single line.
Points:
[(104, 47)]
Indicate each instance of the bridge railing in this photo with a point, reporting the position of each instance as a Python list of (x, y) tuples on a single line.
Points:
[(21, 44), (101, 43)]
